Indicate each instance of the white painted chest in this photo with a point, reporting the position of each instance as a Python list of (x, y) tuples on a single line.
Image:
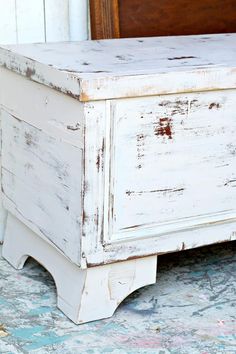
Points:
[(114, 152)]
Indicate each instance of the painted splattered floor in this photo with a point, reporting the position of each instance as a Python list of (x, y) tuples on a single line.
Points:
[(191, 309)]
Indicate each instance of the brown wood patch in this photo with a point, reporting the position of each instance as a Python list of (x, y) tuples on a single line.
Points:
[(104, 19), (138, 18)]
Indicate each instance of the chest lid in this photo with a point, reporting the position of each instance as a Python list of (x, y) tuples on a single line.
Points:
[(108, 69)]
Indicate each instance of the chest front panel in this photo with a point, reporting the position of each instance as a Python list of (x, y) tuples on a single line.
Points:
[(172, 163)]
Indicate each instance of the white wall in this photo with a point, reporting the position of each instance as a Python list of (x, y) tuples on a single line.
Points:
[(25, 21)]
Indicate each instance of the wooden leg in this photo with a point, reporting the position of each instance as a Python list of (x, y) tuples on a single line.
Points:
[(83, 294)]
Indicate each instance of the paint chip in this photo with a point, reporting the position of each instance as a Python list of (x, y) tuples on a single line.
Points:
[(156, 329), (164, 128), (3, 332)]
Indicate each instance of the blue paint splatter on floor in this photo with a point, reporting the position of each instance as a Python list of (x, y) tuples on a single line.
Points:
[(190, 310), (40, 310)]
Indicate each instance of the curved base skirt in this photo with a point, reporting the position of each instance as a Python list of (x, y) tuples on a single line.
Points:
[(82, 294)]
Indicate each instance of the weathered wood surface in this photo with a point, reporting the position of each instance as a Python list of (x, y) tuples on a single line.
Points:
[(120, 164), (57, 116), (104, 15), (43, 162), (95, 70), (46, 109), (180, 17), (172, 162), (104, 181), (138, 18), (41, 183), (163, 178)]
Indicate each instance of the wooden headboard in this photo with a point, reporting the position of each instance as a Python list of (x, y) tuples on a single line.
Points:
[(146, 18)]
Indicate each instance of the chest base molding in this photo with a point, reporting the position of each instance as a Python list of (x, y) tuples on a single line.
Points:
[(84, 295)]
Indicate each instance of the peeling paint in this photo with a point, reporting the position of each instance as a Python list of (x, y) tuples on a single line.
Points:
[(30, 72), (73, 127), (214, 105), (165, 190), (164, 128), (183, 57)]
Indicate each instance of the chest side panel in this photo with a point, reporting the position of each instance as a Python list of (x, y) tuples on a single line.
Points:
[(172, 163), (42, 161), (41, 179)]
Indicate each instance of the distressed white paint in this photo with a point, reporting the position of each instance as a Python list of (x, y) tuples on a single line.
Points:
[(120, 175), (109, 69), (83, 295), (58, 115), (178, 162), (200, 155), (41, 179), (23, 21), (93, 202), (26, 21)]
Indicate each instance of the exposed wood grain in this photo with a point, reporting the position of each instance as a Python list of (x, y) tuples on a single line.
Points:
[(138, 18), (104, 19), (180, 17)]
